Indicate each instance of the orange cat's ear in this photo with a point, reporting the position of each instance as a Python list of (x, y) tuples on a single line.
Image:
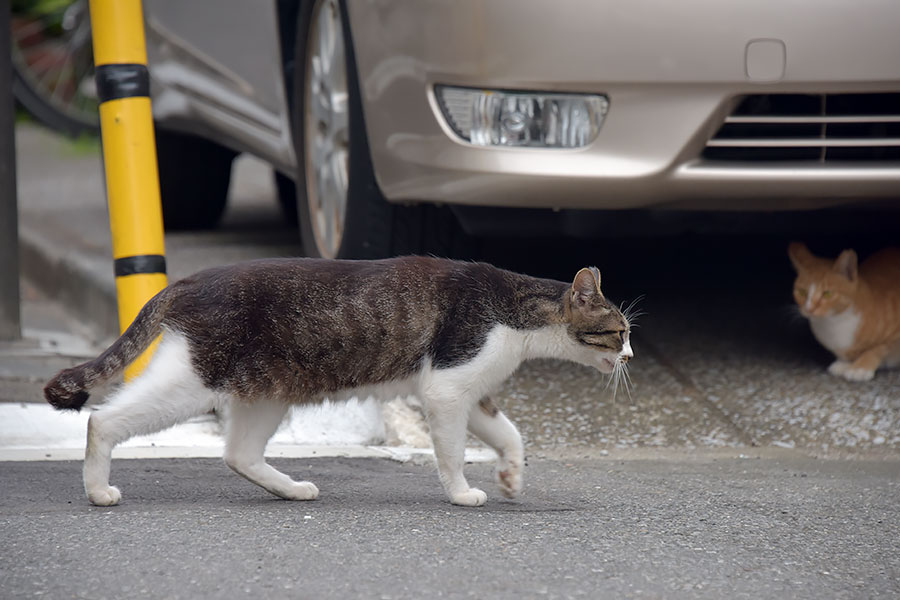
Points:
[(846, 264), (800, 256)]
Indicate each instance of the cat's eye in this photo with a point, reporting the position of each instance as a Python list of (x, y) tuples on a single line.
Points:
[(826, 294), (621, 335), (801, 292)]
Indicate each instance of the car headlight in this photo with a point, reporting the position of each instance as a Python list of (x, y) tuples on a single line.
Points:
[(522, 119)]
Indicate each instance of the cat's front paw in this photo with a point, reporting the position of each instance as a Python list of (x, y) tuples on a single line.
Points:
[(471, 497), (846, 370), (838, 367), (108, 496), (858, 374), (509, 478)]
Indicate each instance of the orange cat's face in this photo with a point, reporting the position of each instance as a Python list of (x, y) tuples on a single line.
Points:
[(823, 287)]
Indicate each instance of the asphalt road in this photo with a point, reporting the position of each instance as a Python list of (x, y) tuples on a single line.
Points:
[(710, 525)]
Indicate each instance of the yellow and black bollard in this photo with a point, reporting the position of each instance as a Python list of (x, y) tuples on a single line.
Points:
[(129, 155)]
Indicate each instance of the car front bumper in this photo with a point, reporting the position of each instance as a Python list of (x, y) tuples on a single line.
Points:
[(673, 72)]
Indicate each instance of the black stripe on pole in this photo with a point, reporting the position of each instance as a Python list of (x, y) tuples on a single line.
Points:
[(122, 81), (143, 263)]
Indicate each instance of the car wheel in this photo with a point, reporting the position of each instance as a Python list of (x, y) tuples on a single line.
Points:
[(341, 211), (323, 124), (194, 175)]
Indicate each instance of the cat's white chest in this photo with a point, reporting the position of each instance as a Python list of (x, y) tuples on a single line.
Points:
[(836, 332)]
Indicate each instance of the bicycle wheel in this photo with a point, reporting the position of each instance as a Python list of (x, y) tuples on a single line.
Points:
[(53, 63)]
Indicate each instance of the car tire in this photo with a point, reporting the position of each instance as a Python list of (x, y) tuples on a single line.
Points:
[(364, 224), (286, 193), (194, 175)]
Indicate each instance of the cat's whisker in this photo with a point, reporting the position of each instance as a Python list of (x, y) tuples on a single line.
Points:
[(620, 377), (629, 311), (609, 382), (613, 381), (626, 381), (633, 317), (634, 302), (629, 384), (792, 314), (632, 314), (633, 305)]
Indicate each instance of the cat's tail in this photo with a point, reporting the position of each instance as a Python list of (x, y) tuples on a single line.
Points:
[(69, 389)]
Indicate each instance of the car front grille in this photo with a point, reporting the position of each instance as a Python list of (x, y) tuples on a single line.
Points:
[(810, 127)]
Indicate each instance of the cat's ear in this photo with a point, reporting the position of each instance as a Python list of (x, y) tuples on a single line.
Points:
[(800, 256), (846, 264), (586, 286)]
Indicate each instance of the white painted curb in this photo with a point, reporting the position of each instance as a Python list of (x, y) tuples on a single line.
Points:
[(35, 432)]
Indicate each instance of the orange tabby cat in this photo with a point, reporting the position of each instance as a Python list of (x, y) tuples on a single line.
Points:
[(853, 311)]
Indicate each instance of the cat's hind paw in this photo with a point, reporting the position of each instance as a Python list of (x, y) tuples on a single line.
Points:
[(509, 479), (302, 490), (849, 372), (108, 496), (471, 497)]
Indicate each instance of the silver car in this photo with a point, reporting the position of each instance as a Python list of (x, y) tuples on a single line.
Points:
[(399, 120)]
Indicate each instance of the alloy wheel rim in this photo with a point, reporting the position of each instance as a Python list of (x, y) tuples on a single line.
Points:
[(326, 128)]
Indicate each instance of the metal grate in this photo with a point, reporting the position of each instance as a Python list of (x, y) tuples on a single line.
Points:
[(810, 127)]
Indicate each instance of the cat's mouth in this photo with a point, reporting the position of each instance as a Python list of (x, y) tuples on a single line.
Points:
[(607, 366)]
